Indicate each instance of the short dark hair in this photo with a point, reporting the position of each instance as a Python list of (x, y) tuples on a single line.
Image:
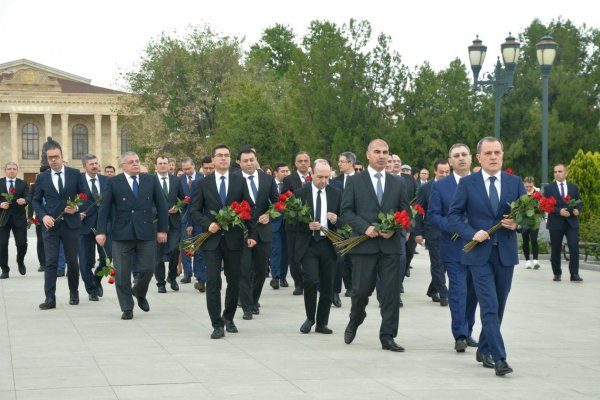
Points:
[(52, 146), (217, 147), (278, 165), (245, 150), (206, 160), (439, 162), (161, 156)]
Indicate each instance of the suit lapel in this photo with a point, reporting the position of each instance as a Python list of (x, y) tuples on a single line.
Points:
[(369, 185), (480, 186)]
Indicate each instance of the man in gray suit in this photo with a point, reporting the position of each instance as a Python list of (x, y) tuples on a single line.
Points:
[(365, 196), (136, 202)]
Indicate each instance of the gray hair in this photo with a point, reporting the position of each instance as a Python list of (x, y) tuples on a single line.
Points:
[(489, 139), (87, 157), (349, 156), (456, 145), (320, 162), (187, 159), (10, 163), (125, 155)]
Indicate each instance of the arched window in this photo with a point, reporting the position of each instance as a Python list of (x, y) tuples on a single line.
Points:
[(80, 141), (30, 142), (125, 142)]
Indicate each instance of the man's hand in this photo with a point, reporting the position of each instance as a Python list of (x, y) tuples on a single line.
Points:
[(173, 210), (371, 232), (481, 236), (21, 202), (263, 219), (71, 210), (419, 239), (4, 205), (189, 230), (48, 221), (251, 243), (101, 239), (564, 212), (161, 237), (214, 227), (576, 212), (82, 215), (386, 235), (314, 226), (509, 223), (331, 217)]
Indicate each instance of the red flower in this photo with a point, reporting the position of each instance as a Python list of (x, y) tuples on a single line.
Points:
[(568, 198), (82, 196), (509, 171), (189, 253), (186, 200), (536, 195), (235, 205), (279, 206), (307, 179), (419, 209), (245, 206), (111, 280), (282, 198), (12, 191), (288, 194), (112, 272), (547, 204), (244, 215), (34, 220)]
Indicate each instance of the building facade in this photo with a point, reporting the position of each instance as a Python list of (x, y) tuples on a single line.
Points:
[(37, 101)]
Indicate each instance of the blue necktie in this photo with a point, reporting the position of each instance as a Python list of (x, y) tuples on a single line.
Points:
[(135, 187), (253, 187), (494, 198), (222, 191), (12, 186), (379, 191)]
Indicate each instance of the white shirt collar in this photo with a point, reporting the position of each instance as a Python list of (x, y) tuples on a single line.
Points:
[(486, 176)]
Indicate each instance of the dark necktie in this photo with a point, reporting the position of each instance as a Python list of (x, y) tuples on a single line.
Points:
[(562, 190), (61, 188), (279, 187), (222, 191), (253, 187), (94, 188), (379, 191), (317, 234), (494, 198), (190, 181), (136, 186), (12, 186), (164, 186)]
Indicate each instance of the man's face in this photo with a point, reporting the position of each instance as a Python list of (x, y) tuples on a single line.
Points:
[(221, 160), (109, 171), (396, 164), (188, 168), (11, 171), (131, 165), (424, 174), (248, 163), (321, 176), (92, 167), (281, 173), (442, 171), (389, 165), (490, 157), (208, 168), (345, 166), (406, 171), (302, 163), (162, 165), (172, 166), (378, 156), (358, 169), (528, 187), (560, 173), (460, 160), (55, 159)]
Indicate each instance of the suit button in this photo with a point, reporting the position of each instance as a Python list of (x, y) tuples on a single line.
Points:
[(132, 211)]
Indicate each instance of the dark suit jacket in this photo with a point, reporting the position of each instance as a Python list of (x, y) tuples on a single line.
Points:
[(442, 193), (360, 209), (267, 195), (555, 220), (19, 217), (134, 218), (175, 192), (472, 201), (186, 216), (206, 199), (91, 212), (303, 238), (55, 203), (422, 225)]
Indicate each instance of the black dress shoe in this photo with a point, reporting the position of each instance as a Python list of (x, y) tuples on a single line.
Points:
[(174, 285), (336, 300), (283, 283), (143, 304), (199, 286), (247, 315), (256, 310), (218, 333), (487, 360), (60, 273), (556, 278), (434, 297), (48, 304), (407, 273), (99, 289), (162, 289), (74, 298), (306, 326), (350, 333), (443, 302), (186, 279), (42, 268), (349, 293), (389, 344), (323, 329), (298, 291), (574, 278), (93, 297), (401, 288), (127, 314), (502, 368), (230, 326), (460, 345), (4, 275), (275, 283), (472, 342), (22, 268), (400, 303)]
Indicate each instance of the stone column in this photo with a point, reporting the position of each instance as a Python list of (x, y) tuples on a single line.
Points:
[(47, 126), (14, 137), (98, 131), (114, 146), (65, 143)]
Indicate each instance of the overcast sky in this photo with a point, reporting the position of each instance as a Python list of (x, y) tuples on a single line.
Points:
[(99, 39)]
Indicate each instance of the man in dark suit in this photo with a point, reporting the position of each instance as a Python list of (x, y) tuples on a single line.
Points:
[(173, 191), (292, 182), (15, 218), (136, 202), (480, 202), (94, 185), (564, 221), (41, 255), (365, 196), (263, 193), (461, 294), (52, 190), (314, 251), (223, 247), (279, 249), (196, 266), (425, 231)]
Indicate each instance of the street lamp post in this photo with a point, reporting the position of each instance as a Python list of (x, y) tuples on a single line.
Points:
[(546, 52), (502, 80)]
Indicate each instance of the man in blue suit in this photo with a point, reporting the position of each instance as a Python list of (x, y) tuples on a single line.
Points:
[(461, 294), (93, 185), (481, 201), (136, 202), (52, 190)]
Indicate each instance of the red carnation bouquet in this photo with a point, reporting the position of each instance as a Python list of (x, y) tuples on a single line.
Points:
[(275, 209), (294, 211), (9, 197), (75, 203), (571, 203), (181, 203), (32, 221), (390, 222), (227, 217), (417, 209), (527, 211)]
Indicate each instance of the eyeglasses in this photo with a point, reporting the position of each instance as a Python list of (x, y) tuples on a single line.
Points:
[(222, 155), (457, 155), (358, 170), (397, 161)]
